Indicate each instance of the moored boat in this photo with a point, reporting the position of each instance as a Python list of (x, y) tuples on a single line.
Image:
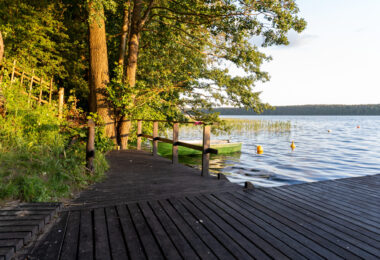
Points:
[(223, 147)]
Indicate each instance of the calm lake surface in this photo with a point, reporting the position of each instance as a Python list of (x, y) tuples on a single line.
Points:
[(346, 151)]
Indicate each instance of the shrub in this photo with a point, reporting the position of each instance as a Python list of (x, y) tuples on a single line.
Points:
[(37, 161)]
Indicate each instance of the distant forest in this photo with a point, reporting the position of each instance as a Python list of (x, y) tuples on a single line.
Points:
[(309, 110)]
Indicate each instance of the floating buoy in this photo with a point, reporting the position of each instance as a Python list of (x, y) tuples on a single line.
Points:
[(293, 146), (329, 130), (260, 149), (358, 126)]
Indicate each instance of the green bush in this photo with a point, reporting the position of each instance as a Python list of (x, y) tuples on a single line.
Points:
[(37, 161)]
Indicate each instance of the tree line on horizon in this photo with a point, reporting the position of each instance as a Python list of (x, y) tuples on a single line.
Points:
[(372, 110)]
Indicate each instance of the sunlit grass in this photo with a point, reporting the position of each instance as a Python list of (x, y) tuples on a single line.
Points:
[(37, 161)]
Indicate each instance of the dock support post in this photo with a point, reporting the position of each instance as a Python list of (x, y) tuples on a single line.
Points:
[(155, 135), (175, 141), (139, 132), (61, 94), (205, 152), (90, 149)]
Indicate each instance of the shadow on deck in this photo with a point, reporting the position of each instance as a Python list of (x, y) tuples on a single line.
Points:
[(137, 175), (148, 208)]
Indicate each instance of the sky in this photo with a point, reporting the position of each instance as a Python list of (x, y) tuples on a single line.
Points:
[(335, 60)]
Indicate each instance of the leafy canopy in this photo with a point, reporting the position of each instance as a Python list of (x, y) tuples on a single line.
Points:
[(187, 50)]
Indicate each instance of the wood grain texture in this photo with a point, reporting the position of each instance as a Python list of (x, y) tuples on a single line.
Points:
[(148, 208)]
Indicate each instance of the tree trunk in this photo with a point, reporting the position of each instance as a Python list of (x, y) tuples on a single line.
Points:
[(133, 44), (124, 126), (2, 101), (123, 39), (99, 77), (1, 48), (124, 131), (133, 48)]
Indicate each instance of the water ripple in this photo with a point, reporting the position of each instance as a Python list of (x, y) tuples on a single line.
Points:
[(345, 151)]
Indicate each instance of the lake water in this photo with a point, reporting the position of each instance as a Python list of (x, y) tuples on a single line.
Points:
[(345, 151)]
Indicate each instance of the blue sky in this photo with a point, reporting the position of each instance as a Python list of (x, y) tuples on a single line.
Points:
[(336, 60)]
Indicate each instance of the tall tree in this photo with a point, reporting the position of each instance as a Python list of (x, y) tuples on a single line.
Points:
[(199, 42), (35, 35), (99, 77), (123, 126), (124, 33)]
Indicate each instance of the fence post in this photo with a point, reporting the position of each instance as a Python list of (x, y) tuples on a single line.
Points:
[(175, 141), (90, 149), (139, 132), (50, 90), (124, 133), (22, 77), (61, 94), (13, 71), (1, 73), (205, 153), (40, 96), (155, 135), (30, 87)]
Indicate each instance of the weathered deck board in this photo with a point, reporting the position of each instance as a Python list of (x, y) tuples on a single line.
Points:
[(150, 209), (136, 176), (20, 223)]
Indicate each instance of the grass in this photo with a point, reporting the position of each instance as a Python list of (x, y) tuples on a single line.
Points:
[(36, 161)]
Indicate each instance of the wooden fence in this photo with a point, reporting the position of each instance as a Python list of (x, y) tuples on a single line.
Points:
[(204, 148), (37, 88)]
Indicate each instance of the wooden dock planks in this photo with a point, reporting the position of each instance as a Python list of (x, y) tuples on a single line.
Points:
[(22, 222), (323, 220)]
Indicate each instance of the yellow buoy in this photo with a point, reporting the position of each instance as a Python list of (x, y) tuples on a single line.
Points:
[(293, 146), (329, 131), (260, 149)]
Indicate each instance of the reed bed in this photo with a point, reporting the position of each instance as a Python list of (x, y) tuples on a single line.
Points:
[(247, 126), (233, 126)]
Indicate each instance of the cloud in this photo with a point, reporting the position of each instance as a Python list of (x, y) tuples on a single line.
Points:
[(360, 29), (297, 40)]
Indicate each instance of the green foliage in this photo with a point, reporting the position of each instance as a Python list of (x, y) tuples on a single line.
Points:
[(187, 50), (102, 143), (34, 35), (37, 163)]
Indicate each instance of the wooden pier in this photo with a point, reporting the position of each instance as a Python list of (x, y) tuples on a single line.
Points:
[(149, 208)]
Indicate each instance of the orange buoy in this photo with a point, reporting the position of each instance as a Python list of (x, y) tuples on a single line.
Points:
[(260, 149), (293, 146), (358, 126)]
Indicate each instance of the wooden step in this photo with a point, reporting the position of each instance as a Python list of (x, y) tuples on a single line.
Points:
[(20, 223)]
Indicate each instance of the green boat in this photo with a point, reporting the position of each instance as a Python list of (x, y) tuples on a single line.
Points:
[(223, 147)]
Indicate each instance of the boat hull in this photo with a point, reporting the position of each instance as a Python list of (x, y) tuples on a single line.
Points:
[(165, 149)]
